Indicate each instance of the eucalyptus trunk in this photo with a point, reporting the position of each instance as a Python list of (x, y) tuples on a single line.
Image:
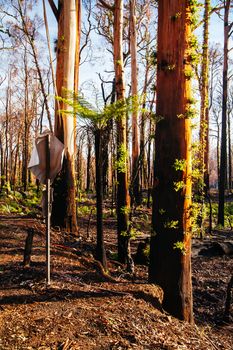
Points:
[(64, 205), (150, 158), (204, 118), (170, 249), (223, 155), (88, 172), (100, 247), (2, 163), (204, 113), (134, 90), (123, 200), (229, 152), (26, 126)]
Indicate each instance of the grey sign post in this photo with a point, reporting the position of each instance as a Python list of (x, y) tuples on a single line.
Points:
[(45, 163)]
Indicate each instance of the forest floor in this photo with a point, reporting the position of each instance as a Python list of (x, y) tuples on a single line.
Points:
[(85, 309)]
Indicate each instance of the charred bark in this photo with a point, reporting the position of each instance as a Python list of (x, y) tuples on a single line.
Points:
[(223, 156), (170, 248), (64, 205), (123, 201), (100, 247)]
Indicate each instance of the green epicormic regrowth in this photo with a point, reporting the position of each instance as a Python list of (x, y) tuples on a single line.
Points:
[(188, 73), (194, 6), (193, 42), (181, 246), (171, 224), (179, 185), (121, 163), (180, 164), (162, 211), (125, 210), (191, 112)]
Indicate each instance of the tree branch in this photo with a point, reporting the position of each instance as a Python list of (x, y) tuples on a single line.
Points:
[(216, 10), (230, 30), (86, 32), (106, 5), (54, 9)]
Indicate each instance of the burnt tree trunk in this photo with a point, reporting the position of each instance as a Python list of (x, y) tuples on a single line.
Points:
[(88, 177), (223, 156), (2, 162), (123, 201), (229, 152), (26, 126), (64, 205), (136, 197), (170, 249), (204, 115), (100, 248)]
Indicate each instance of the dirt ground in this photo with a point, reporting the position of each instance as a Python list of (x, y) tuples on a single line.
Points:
[(83, 309)]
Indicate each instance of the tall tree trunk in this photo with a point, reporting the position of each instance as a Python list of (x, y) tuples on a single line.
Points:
[(105, 144), (88, 172), (64, 205), (123, 201), (142, 169), (149, 166), (100, 248), (2, 162), (106, 140), (204, 118), (7, 135), (113, 169), (223, 156), (26, 126), (14, 177), (79, 165), (218, 153), (229, 152), (31, 41), (134, 87), (150, 145), (142, 157), (170, 251), (77, 46), (204, 115), (142, 149)]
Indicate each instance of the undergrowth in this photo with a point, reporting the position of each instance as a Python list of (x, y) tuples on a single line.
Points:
[(20, 202)]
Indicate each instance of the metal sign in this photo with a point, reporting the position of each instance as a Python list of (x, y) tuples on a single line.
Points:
[(45, 163)]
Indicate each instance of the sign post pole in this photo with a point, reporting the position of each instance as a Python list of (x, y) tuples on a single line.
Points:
[(48, 209), (45, 163)]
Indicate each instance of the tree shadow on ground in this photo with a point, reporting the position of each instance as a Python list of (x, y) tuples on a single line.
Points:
[(51, 294)]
